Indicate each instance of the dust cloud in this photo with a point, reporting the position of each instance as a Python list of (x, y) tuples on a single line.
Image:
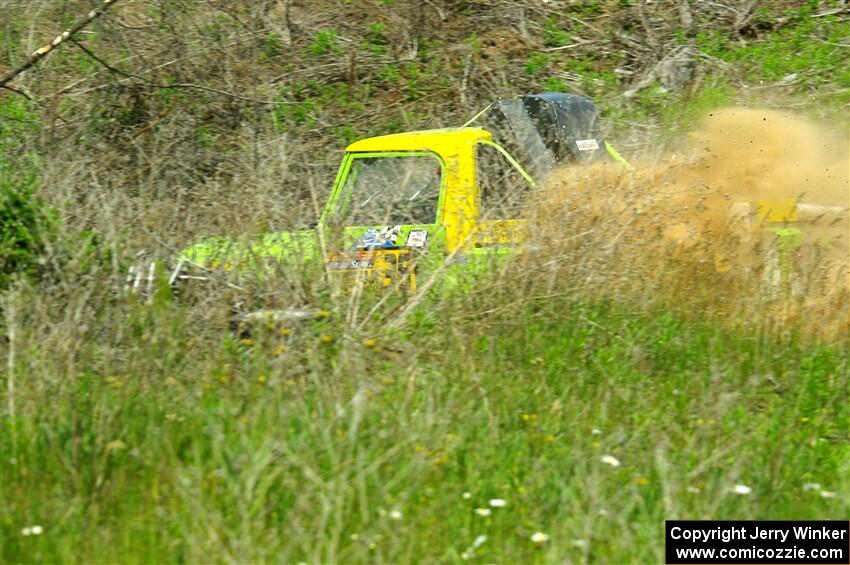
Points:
[(743, 175)]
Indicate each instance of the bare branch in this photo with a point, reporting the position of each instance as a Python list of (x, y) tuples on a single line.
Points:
[(88, 52), (685, 16), (744, 15), (175, 85), (16, 91), (43, 51)]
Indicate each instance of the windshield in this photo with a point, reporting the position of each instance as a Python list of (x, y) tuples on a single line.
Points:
[(392, 190)]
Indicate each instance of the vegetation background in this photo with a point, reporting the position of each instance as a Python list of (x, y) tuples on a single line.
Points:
[(455, 430)]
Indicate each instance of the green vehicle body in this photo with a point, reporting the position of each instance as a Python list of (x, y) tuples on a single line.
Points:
[(458, 236)]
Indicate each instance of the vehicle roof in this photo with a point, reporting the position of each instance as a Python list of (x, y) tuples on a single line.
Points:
[(431, 139)]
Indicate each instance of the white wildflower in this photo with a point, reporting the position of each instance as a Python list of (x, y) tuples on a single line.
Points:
[(610, 460), (692, 489), (395, 514), (32, 531), (476, 543), (741, 489), (498, 503), (578, 543), (827, 494), (811, 486), (482, 511), (539, 537), (466, 496), (596, 431)]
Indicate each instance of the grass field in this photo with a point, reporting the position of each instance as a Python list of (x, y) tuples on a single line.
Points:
[(557, 411), (148, 434)]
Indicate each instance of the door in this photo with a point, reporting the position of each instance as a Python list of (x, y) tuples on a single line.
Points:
[(387, 212), (504, 192)]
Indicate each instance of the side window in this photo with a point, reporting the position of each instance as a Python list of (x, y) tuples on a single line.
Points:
[(503, 191), (393, 190)]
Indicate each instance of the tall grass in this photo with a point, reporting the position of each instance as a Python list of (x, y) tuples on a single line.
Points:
[(149, 432), (596, 385)]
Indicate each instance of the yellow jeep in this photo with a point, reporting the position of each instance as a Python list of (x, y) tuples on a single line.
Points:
[(444, 193), (406, 203)]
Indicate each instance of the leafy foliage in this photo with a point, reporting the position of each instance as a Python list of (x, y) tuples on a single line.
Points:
[(25, 220), (24, 224)]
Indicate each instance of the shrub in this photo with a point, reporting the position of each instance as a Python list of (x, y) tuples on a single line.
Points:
[(25, 225)]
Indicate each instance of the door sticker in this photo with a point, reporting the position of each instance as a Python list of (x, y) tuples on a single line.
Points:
[(390, 233), (378, 239), (417, 238), (587, 144)]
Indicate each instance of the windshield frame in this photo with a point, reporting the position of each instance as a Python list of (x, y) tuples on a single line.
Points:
[(339, 200), (479, 208)]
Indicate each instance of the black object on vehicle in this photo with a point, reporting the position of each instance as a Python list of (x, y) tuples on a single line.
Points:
[(549, 129)]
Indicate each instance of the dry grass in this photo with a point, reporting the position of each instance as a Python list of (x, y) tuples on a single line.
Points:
[(687, 229)]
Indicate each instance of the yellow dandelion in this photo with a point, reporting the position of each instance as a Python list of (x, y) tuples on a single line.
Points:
[(261, 379), (247, 342), (280, 349), (115, 382), (224, 379), (370, 343), (285, 332), (325, 338), (322, 314), (115, 445)]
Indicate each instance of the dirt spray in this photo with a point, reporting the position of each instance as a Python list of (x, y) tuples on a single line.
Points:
[(750, 217)]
